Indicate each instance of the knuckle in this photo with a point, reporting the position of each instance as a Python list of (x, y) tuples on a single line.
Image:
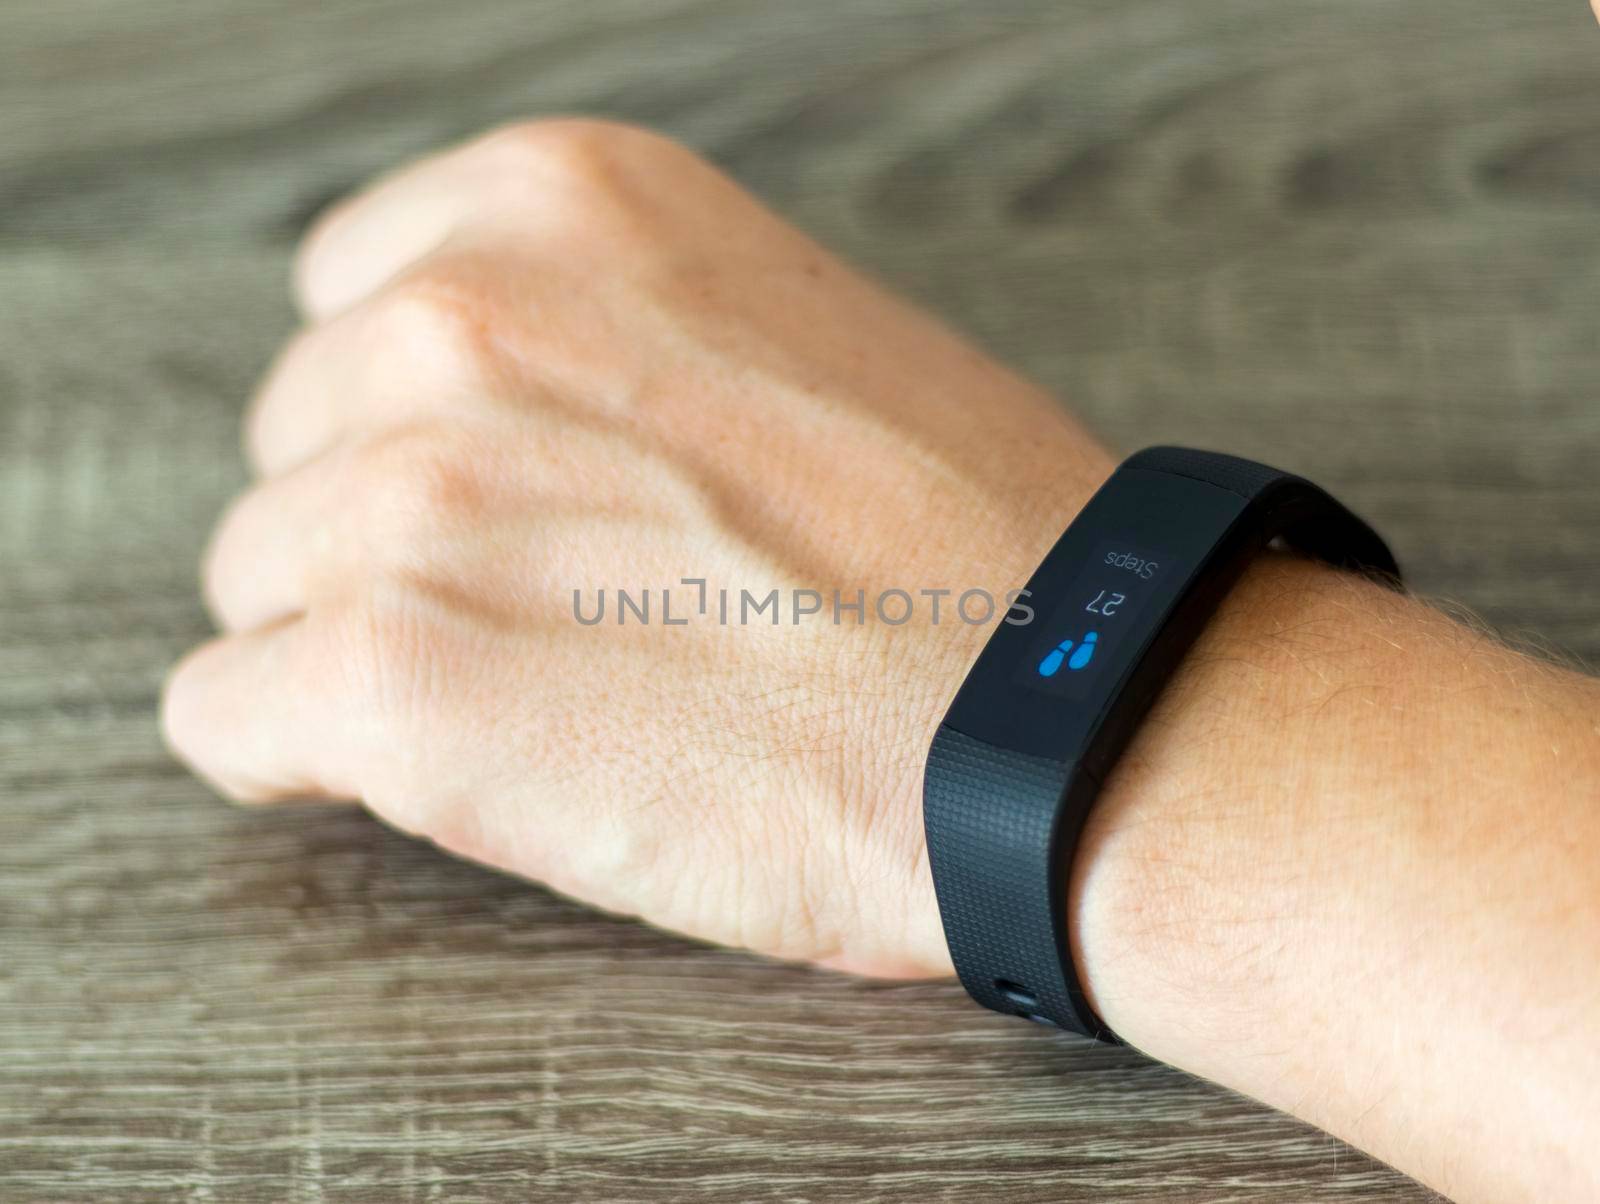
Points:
[(587, 150), (435, 322), (381, 651), (594, 178), (374, 647), (417, 483)]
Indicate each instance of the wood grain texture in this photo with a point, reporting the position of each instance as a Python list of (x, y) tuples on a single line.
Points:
[(1355, 239)]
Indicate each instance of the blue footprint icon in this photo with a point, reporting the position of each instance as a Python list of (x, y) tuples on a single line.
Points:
[(1049, 666), (1052, 662), (1080, 658)]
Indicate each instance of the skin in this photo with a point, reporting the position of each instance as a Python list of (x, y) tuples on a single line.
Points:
[(1346, 867)]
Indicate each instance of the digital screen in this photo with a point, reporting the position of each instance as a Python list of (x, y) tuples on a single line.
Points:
[(1088, 627)]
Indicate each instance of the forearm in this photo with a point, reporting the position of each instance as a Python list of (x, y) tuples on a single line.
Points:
[(1349, 867)]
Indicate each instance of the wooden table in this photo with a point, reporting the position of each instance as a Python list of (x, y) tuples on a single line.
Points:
[(1357, 239)]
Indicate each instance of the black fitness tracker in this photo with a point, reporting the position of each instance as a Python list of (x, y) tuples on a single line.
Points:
[(1062, 685)]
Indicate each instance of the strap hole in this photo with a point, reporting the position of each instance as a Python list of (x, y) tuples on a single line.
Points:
[(1017, 993)]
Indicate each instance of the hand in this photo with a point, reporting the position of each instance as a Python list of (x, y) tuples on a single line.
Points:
[(573, 356)]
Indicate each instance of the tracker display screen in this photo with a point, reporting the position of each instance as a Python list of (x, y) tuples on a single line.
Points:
[(1096, 616), (1045, 686)]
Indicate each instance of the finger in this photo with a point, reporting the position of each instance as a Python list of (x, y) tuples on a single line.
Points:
[(326, 526), (370, 238), (408, 502), (410, 352), (243, 713), (260, 564), (523, 179)]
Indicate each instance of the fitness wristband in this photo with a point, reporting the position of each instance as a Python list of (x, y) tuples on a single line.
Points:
[(1062, 685)]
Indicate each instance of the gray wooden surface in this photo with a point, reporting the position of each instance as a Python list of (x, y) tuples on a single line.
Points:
[(1358, 238)]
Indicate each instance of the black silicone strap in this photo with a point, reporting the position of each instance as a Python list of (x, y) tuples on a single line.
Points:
[(1012, 774)]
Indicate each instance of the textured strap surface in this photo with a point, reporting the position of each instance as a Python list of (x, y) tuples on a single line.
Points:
[(991, 815)]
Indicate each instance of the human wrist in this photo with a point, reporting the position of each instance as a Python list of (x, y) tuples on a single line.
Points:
[(1346, 868), (1173, 883)]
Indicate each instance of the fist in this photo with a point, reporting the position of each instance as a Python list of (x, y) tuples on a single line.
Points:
[(570, 359)]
